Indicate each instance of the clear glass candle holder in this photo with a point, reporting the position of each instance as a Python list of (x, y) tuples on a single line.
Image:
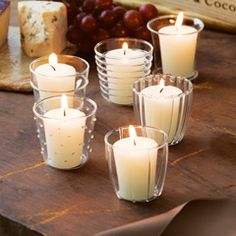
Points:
[(167, 109), (65, 135), (118, 67), (69, 77), (175, 46), (137, 167)]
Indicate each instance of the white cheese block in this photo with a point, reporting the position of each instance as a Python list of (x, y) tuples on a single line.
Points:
[(43, 27), (4, 20)]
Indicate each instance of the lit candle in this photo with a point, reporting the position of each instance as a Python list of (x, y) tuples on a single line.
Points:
[(64, 131), (161, 108), (178, 47), (135, 160), (124, 65), (55, 77)]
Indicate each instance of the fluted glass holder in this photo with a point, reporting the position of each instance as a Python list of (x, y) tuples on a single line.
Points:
[(65, 139), (175, 46), (168, 112), (48, 83), (118, 68), (137, 171)]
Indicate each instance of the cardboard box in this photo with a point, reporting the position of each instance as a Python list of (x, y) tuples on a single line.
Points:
[(219, 14)]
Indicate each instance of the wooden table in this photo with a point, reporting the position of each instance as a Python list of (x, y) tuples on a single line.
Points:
[(82, 202)]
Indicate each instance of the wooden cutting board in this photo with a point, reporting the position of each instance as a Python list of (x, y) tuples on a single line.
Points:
[(14, 64)]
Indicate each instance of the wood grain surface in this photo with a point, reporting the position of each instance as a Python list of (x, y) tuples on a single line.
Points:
[(82, 202)]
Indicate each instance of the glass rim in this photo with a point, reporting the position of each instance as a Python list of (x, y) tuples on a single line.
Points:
[(63, 91), (165, 136), (194, 19), (148, 77), (83, 100), (60, 76), (122, 39)]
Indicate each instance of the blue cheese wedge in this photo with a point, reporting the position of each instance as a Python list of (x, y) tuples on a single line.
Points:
[(4, 20), (43, 27)]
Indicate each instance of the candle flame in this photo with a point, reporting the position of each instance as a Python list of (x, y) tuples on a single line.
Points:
[(52, 60), (179, 20), (132, 134), (125, 47), (64, 104), (162, 85)]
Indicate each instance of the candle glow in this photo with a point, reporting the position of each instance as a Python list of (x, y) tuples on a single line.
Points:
[(64, 104), (162, 85), (52, 60), (132, 134), (125, 47), (179, 20)]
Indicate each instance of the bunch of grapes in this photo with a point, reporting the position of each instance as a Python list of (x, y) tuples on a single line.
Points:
[(91, 21)]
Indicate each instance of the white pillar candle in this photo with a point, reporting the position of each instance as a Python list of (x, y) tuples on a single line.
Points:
[(56, 77), (161, 108), (178, 46), (64, 131), (135, 159), (124, 66)]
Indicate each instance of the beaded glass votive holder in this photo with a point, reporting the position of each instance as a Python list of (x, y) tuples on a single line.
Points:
[(65, 130)]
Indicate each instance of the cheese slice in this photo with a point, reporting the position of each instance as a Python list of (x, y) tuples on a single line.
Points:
[(43, 27), (4, 20)]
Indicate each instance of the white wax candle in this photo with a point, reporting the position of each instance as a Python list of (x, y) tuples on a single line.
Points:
[(161, 105), (136, 167), (178, 47), (56, 77), (124, 66), (64, 137)]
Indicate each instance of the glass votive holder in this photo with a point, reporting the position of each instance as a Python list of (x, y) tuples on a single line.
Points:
[(65, 132), (164, 106), (137, 165), (176, 44), (120, 61), (69, 75)]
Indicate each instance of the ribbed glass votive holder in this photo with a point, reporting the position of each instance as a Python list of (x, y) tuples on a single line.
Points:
[(120, 61), (164, 107), (137, 166)]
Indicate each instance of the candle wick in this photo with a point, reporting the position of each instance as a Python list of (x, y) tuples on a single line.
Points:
[(53, 67), (134, 142), (161, 90), (64, 112), (124, 52)]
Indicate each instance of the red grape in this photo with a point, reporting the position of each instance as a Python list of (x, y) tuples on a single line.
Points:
[(119, 12), (143, 33), (79, 18), (148, 12), (79, 2), (99, 35), (88, 6), (132, 20), (88, 24), (107, 18), (119, 30), (103, 4), (71, 13), (73, 35)]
